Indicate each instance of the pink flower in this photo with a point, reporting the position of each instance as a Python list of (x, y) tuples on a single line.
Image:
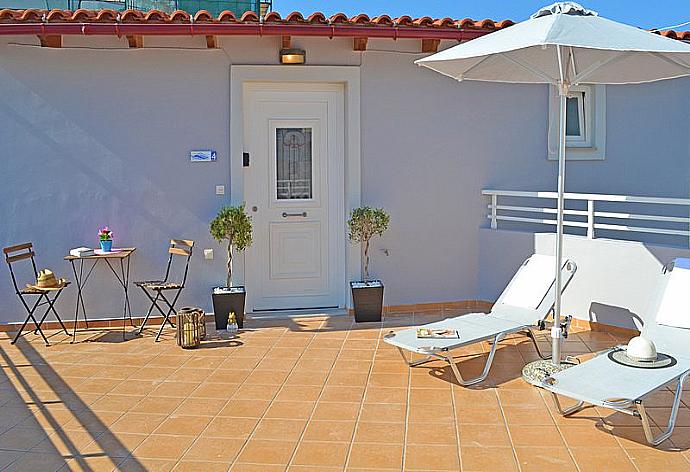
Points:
[(105, 234)]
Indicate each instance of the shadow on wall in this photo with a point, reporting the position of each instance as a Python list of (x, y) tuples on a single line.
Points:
[(91, 165), (614, 315)]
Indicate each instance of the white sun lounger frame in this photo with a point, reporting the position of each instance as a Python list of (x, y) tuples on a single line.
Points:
[(473, 328), (624, 388)]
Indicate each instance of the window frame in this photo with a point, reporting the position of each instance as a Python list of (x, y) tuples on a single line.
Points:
[(591, 144)]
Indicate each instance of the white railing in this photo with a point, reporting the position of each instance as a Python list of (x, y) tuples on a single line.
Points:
[(583, 210)]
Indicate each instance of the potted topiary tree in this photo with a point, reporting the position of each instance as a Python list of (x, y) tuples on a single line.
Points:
[(232, 224), (367, 295)]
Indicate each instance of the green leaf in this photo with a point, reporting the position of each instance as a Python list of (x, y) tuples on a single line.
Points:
[(366, 222), (234, 225)]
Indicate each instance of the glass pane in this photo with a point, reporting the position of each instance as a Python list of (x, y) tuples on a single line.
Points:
[(293, 163), (572, 118)]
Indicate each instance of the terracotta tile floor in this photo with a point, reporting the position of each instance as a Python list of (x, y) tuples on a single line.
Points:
[(307, 394)]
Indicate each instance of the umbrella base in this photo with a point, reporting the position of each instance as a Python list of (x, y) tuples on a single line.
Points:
[(535, 372)]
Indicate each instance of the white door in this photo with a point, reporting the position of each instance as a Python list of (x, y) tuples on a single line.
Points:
[(294, 191)]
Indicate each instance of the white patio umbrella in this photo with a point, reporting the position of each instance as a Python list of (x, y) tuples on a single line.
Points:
[(564, 44)]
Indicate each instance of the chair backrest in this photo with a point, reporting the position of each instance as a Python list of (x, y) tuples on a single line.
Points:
[(531, 293), (181, 248), (17, 253), (670, 309)]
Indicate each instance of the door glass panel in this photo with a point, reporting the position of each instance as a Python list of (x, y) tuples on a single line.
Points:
[(293, 163)]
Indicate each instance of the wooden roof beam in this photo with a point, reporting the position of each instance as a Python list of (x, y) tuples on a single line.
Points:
[(211, 42), (359, 44), (135, 41), (430, 45), (51, 41)]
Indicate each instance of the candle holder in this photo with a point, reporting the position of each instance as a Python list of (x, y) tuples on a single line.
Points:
[(201, 321), (191, 327)]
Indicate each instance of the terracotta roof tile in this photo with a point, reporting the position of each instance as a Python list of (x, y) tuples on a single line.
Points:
[(294, 17), (681, 35), (179, 16), (403, 20), (132, 16), (382, 20), (224, 17), (202, 16), (156, 16), (317, 18), (338, 18), (248, 17), (58, 16), (465, 23), (489, 24), (360, 19), (423, 21), (12, 21), (444, 22), (31, 15), (109, 16), (504, 23), (272, 17), (83, 16)]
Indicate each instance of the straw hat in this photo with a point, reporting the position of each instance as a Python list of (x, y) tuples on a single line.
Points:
[(46, 280), (641, 352)]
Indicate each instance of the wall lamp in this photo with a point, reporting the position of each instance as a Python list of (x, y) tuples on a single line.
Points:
[(293, 56)]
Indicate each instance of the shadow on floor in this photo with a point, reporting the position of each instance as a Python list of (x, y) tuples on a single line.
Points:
[(58, 399)]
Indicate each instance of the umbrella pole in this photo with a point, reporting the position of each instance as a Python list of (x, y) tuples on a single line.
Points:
[(535, 372), (556, 330)]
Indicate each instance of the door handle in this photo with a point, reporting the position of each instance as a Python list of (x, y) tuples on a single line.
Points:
[(303, 214)]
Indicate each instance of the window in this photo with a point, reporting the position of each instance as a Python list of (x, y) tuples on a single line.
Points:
[(293, 163), (585, 130), (576, 125)]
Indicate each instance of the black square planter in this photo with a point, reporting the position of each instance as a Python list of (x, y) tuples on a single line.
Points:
[(229, 300), (367, 298)]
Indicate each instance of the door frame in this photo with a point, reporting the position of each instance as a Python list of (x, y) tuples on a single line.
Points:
[(349, 78)]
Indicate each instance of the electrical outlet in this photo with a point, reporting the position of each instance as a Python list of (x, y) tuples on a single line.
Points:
[(220, 189), (208, 254)]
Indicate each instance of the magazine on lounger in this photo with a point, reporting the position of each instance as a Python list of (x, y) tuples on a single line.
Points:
[(428, 333)]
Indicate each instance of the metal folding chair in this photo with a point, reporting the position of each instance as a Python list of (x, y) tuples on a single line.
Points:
[(178, 247), (14, 254)]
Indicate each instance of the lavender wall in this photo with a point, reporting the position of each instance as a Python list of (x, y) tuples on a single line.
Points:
[(102, 136)]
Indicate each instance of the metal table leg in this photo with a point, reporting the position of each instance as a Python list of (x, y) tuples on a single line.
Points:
[(80, 280), (123, 279), (127, 310)]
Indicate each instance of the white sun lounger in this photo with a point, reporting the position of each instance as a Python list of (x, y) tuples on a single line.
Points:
[(523, 305), (603, 382)]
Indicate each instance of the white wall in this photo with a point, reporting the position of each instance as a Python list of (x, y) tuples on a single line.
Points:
[(92, 137), (614, 284)]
